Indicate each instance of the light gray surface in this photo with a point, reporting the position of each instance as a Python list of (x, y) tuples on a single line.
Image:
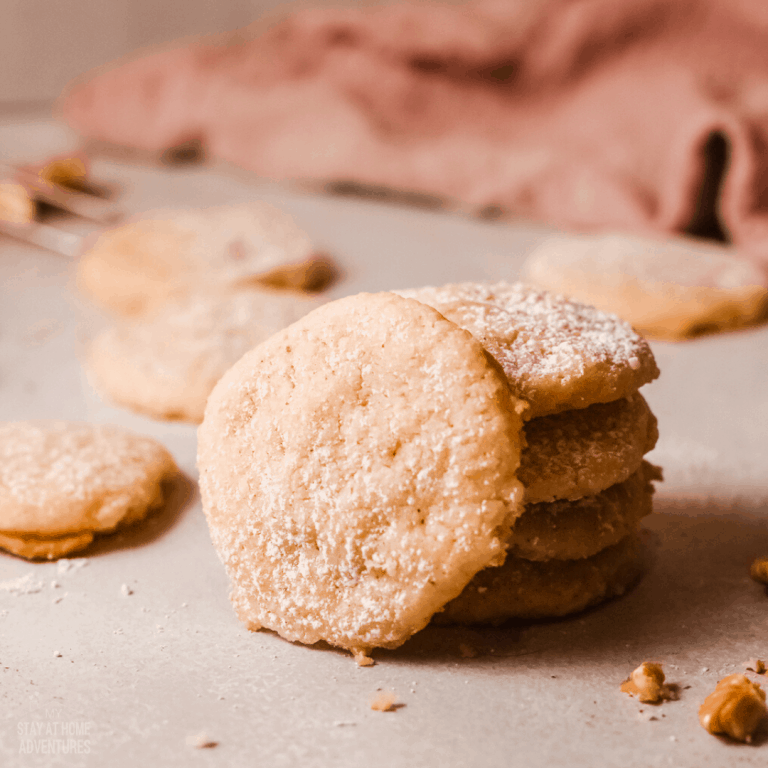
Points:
[(145, 672)]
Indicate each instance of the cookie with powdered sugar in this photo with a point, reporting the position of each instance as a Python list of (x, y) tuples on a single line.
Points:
[(582, 452), (558, 354), (571, 530), (357, 469), (527, 589), (166, 365), (668, 289), (135, 268), (62, 483)]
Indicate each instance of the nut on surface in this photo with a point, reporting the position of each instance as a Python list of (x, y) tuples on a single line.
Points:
[(647, 683), (735, 708)]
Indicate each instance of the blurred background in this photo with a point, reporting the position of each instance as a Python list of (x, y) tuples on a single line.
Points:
[(46, 43)]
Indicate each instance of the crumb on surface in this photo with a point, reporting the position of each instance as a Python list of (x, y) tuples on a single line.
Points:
[(647, 683), (362, 659), (201, 741), (755, 665), (735, 708), (384, 701)]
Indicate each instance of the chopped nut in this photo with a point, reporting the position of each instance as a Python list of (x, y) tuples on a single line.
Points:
[(759, 570), (735, 708), (647, 682), (384, 702), (755, 665), (64, 172)]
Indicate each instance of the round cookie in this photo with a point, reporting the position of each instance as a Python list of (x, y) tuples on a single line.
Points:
[(166, 365), (570, 530), (558, 354), (523, 589), (582, 452), (135, 268), (667, 289), (34, 548), (357, 469), (61, 482)]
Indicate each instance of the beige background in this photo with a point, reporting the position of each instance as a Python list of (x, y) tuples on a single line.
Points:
[(45, 43)]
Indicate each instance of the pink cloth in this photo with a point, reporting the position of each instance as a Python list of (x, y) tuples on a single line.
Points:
[(650, 115)]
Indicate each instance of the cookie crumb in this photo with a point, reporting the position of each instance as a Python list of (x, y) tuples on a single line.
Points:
[(201, 741), (57, 654), (362, 659), (24, 585), (759, 570), (65, 565), (735, 708), (384, 701), (647, 682), (755, 665), (125, 590)]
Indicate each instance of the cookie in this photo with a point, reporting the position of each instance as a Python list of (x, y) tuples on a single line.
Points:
[(33, 548), (558, 354), (523, 589), (62, 482), (667, 289), (570, 530), (582, 452), (166, 365), (135, 268), (357, 469)]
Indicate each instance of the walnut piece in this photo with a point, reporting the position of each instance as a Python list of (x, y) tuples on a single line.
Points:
[(384, 702), (755, 665), (647, 682), (735, 708), (759, 570)]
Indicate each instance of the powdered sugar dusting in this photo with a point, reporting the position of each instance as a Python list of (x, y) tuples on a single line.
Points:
[(568, 530), (138, 266), (680, 261), (356, 469), (581, 452), (59, 477), (557, 353), (23, 585), (168, 364)]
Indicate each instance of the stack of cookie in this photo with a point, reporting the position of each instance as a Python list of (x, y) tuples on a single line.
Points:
[(586, 484), (473, 453)]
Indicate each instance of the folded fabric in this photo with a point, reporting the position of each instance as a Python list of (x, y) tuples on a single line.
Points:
[(650, 115)]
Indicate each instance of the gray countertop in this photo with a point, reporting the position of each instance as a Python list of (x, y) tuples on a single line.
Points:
[(137, 678)]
